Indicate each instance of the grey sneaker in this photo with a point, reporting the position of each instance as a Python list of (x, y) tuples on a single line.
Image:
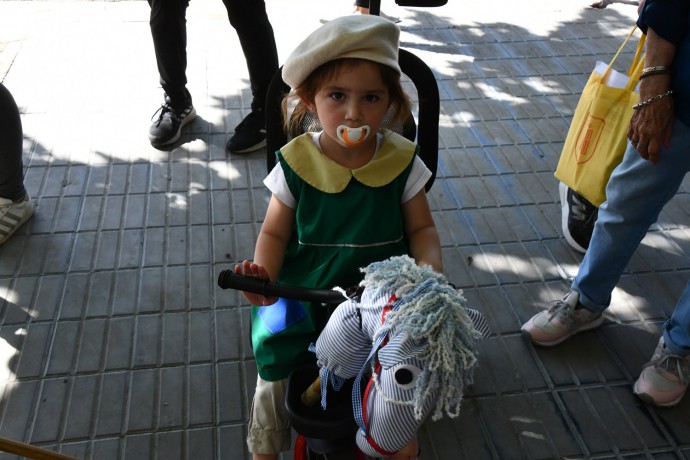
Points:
[(664, 379), (560, 322), (166, 129), (13, 215)]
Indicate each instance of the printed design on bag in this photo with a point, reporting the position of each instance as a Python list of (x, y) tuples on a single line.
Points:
[(588, 138)]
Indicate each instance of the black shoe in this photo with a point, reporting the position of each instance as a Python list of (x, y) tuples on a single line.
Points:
[(166, 129), (250, 134), (577, 218)]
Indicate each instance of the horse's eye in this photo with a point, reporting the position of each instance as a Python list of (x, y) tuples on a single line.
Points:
[(406, 375)]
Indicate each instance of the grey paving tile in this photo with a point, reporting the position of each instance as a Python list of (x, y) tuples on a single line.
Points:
[(32, 354), (141, 400), (51, 399), (119, 344), (506, 368), (79, 415), (231, 441), (110, 407), (18, 404), (230, 407)]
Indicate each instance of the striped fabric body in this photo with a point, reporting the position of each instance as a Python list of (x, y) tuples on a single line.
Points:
[(343, 350), (402, 392), (342, 346)]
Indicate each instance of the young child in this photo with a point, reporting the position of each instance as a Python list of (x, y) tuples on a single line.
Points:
[(342, 198)]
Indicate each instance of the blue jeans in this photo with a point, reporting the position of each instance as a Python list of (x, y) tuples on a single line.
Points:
[(11, 168), (636, 193)]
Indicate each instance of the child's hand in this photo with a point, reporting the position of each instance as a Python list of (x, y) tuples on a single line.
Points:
[(257, 271)]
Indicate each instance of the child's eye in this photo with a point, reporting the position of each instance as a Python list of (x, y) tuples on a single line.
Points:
[(337, 96), (371, 98)]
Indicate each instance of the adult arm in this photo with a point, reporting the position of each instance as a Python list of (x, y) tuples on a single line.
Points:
[(650, 125), (665, 23)]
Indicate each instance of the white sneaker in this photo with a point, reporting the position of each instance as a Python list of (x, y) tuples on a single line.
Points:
[(13, 215), (560, 322), (664, 380)]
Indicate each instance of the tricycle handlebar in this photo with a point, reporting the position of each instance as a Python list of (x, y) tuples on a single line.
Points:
[(228, 279)]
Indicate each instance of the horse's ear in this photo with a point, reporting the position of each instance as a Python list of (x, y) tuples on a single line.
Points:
[(342, 346), (399, 348)]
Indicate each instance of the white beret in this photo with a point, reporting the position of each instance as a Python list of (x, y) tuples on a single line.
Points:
[(362, 36)]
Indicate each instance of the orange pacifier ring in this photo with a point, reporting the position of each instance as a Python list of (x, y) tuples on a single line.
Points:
[(353, 136)]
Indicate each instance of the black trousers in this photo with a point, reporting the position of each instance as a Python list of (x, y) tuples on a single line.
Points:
[(169, 31), (11, 168)]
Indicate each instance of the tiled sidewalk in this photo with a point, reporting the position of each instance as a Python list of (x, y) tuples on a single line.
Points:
[(115, 342)]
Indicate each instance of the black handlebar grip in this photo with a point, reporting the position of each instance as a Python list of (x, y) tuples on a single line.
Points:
[(228, 279)]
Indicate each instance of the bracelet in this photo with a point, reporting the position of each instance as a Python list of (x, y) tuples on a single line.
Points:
[(654, 70), (652, 99), (651, 74)]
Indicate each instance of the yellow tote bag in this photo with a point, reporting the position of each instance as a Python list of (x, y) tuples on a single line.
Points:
[(597, 137)]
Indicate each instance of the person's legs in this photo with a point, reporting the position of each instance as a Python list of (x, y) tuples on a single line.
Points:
[(11, 167), (664, 379), (254, 30), (168, 24), (15, 206), (169, 32), (636, 193), (676, 331), (250, 20)]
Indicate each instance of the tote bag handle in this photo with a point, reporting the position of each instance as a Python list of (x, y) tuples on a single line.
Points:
[(635, 69)]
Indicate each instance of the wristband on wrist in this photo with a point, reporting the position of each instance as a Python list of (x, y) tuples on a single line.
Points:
[(655, 70)]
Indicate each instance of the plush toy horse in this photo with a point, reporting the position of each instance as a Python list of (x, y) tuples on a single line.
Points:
[(411, 335)]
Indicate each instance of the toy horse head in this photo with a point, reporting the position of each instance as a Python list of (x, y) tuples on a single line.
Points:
[(409, 342)]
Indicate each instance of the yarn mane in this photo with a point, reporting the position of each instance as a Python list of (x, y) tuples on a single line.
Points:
[(435, 313)]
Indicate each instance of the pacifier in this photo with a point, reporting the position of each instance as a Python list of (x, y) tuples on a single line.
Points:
[(353, 136)]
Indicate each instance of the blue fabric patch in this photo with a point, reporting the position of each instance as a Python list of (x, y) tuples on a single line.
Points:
[(281, 315)]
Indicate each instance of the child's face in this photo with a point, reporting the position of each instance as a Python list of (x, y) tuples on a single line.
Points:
[(355, 97)]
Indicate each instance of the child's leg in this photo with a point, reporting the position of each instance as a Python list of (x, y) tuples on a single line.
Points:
[(269, 428), (264, 456), (409, 452)]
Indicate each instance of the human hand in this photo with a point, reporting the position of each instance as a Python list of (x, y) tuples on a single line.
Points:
[(650, 128), (257, 271)]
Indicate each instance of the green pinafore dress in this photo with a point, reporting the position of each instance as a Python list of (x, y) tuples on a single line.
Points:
[(345, 220)]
